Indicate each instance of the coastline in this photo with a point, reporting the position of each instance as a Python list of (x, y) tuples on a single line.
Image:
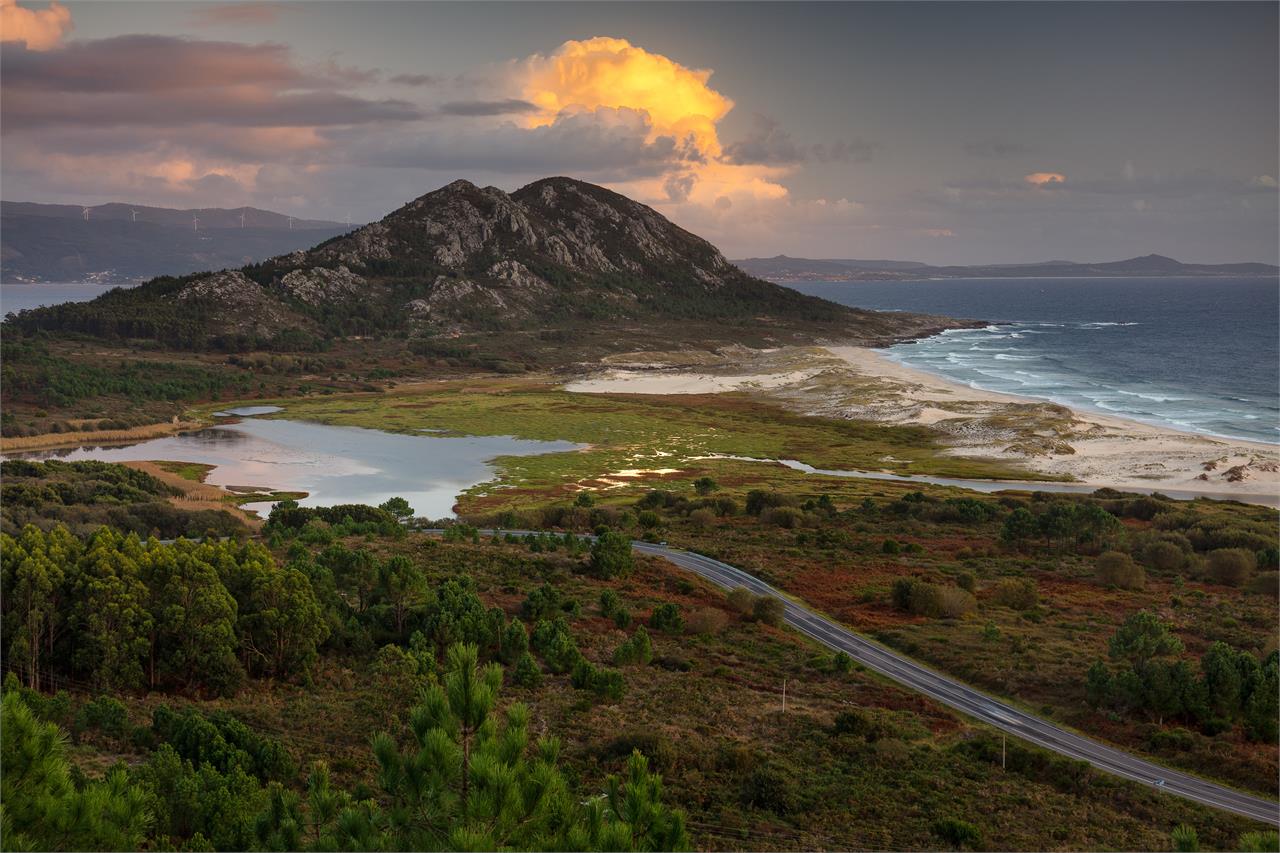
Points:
[(1110, 450), (1098, 450)]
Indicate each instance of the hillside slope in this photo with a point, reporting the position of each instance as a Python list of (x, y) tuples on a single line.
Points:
[(556, 256), (128, 243)]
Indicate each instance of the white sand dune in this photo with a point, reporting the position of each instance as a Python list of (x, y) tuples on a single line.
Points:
[(1107, 450)]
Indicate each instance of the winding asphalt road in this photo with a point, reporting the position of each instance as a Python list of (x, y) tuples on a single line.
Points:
[(970, 701), (966, 699)]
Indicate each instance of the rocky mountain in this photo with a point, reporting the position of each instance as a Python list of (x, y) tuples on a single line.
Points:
[(783, 268), (557, 257), (129, 243)]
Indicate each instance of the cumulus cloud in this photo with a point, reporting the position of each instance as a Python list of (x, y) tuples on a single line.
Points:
[(36, 29), (678, 104), (611, 72)]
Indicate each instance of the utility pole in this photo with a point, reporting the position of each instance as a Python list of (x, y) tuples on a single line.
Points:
[(1003, 737)]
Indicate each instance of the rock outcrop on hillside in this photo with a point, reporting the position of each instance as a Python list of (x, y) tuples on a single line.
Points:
[(556, 254)]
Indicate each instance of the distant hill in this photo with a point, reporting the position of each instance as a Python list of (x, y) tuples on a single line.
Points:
[(783, 268), (123, 243), (559, 259)]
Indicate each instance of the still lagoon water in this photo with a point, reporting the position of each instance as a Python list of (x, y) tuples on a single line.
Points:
[(332, 464)]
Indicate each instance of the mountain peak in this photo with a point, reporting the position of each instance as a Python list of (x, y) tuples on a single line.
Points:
[(559, 253)]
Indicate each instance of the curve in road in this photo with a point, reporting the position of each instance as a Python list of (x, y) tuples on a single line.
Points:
[(960, 696), (972, 702)]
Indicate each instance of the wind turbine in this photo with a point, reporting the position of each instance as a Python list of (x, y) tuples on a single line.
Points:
[(290, 223), (348, 219), (195, 223), (84, 211), (134, 214), (242, 219)]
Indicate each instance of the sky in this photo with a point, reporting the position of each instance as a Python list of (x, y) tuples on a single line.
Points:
[(938, 132)]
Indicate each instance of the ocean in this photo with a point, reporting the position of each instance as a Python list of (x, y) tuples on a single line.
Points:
[(1196, 354), (20, 297)]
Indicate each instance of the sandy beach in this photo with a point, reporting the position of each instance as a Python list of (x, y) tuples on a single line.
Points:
[(1047, 438)]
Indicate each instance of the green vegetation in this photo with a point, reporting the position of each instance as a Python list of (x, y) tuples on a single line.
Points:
[(1017, 594), (284, 763), (84, 495), (667, 431)]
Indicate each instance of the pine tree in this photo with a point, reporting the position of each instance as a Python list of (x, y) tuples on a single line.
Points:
[(465, 782), (42, 808)]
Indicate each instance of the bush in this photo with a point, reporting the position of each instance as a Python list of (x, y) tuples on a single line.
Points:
[(702, 518), (1016, 593), (890, 546), (741, 601), (769, 610), (666, 617), (637, 649), (705, 485), (758, 501), (106, 714), (855, 722), (900, 593), (1119, 570), (604, 683), (787, 517), (966, 581), (1230, 566), (766, 787), (946, 602), (609, 603), (958, 833), (1164, 556), (1265, 583), (707, 620)]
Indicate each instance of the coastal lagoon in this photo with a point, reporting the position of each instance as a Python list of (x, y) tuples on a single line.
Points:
[(1194, 354), (333, 464)]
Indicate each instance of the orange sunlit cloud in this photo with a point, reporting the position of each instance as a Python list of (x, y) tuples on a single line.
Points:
[(37, 29), (1045, 179), (678, 103), (611, 72)]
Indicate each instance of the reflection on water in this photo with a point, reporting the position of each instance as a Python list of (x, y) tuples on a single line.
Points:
[(248, 411), (332, 464)]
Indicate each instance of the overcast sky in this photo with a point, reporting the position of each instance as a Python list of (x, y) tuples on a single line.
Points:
[(946, 133)]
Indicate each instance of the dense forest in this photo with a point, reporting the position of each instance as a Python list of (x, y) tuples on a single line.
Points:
[(346, 682)]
